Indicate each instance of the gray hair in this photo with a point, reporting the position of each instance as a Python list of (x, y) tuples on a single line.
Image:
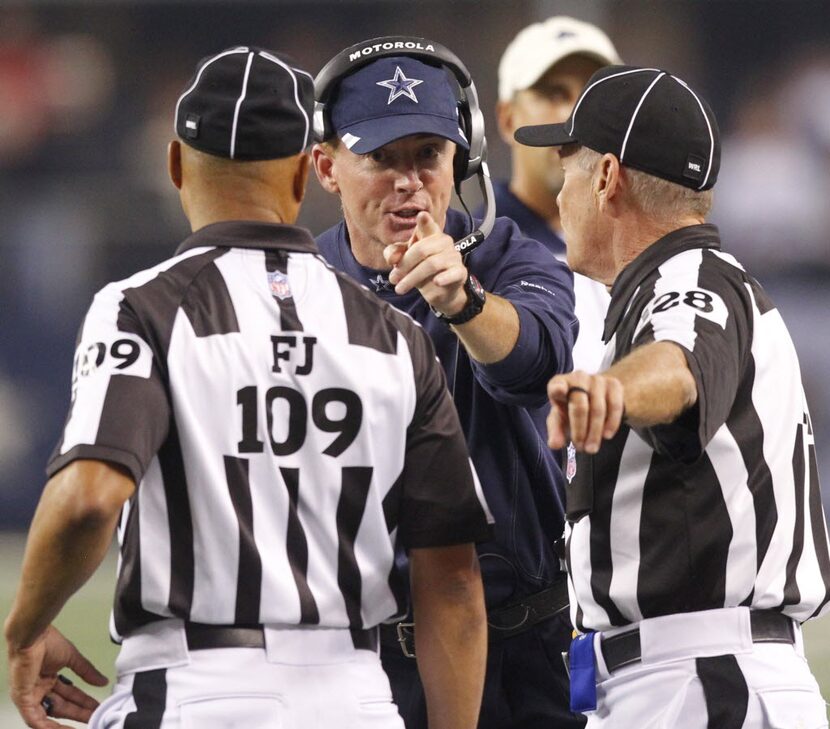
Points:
[(658, 198)]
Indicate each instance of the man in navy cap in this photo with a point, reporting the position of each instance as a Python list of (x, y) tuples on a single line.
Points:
[(502, 322)]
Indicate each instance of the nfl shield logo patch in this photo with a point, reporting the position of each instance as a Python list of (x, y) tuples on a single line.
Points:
[(570, 470), (278, 282)]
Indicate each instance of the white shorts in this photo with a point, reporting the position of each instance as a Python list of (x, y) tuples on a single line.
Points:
[(302, 679), (749, 685)]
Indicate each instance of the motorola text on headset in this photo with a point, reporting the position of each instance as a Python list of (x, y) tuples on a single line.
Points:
[(467, 163)]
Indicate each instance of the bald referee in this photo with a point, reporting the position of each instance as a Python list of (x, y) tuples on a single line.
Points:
[(696, 540), (263, 432)]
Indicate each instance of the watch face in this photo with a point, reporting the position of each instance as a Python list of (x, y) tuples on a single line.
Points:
[(476, 289), (476, 295)]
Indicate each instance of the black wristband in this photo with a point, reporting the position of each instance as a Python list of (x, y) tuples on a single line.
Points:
[(475, 303)]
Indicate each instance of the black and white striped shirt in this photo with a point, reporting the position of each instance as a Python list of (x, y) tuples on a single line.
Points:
[(722, 507), (284, 426)]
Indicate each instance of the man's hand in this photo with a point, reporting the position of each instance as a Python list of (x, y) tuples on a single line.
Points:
[(650, 386), (33, 676), (584, 409), (429, 262)]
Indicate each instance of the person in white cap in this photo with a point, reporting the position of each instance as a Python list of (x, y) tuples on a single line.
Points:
[(541, 74)]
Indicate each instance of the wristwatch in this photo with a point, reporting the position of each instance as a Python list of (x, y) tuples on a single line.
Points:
[(475, 303)]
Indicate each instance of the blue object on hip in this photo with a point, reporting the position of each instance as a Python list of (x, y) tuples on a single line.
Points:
[(583, 673)]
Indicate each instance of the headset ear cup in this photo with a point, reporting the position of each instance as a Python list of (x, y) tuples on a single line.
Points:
[(321, 133), (471, 122), (462, 156)]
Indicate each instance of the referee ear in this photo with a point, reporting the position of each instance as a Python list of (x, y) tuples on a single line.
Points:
[(607, 182), (174, 163), (301, 177)]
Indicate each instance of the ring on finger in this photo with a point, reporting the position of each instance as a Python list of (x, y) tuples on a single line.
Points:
[(575, 388), (47, 705)]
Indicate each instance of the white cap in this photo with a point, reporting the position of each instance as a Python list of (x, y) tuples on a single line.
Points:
[(538, 46)]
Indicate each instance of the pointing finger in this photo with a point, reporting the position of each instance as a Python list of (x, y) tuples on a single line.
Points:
[(394, 252), (425, 226)]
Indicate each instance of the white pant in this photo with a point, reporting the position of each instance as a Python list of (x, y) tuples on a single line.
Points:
[(303, 679), (664, 691)]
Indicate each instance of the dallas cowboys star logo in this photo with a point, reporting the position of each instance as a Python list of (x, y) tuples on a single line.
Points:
[(380, 283), (400, 85)]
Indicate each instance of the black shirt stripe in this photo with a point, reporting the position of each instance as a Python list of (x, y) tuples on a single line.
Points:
[(208, 304), (127, 611), (298, 548), (365, 326), (180, 523), (792, 595), (601, 561), (276, 263), (353, 495), (748, 432), (249, 576)]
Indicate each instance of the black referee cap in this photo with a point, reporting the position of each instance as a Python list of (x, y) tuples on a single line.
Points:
[(247, 103), (652, 121)]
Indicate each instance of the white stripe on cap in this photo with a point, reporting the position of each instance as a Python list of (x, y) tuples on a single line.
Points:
[(708, 126), (241, 49), (291, 71), (239, 103), (349, 140), (607, 78), (636, 111)]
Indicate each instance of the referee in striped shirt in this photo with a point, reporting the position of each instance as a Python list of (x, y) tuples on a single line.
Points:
[(264, 432), (696, 541)]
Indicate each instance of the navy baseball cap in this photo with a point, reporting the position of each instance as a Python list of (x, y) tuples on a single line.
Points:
[(392, 98), (247, 103), (651, 120)]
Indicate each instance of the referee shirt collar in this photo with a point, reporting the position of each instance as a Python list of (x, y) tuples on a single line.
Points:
[(626, 284), (250, 234)]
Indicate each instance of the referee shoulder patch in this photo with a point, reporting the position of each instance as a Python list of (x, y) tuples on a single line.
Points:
[(669, 306)]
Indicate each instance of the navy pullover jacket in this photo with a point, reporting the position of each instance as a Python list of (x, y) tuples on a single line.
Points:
[(502, 406)]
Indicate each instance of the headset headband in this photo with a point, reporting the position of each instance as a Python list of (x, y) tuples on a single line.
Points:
[(361, 54)]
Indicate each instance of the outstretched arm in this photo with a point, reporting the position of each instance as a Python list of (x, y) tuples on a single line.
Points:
[(450, 633), (650, 386), (69, 537)]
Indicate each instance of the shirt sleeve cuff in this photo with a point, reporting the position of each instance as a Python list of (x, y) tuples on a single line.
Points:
[(98, 453)]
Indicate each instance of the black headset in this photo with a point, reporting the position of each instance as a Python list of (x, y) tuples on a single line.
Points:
[(467, 163)]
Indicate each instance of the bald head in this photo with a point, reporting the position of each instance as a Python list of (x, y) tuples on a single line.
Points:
[(213, 189)]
